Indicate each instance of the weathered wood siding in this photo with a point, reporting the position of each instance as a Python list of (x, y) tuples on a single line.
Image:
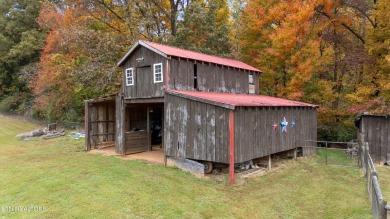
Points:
[(200, 131), (255, 134), (119, 124), (136, 118), (136, 142), (210, 77), (376, 131), (144, 86), (100, 126), (196, 130)]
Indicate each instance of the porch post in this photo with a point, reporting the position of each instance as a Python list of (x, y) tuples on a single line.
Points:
[(231, 146), (148, 128), (120, 121), (86, 126)]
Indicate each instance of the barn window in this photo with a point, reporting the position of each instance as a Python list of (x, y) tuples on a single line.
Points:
[(251, 84), (157, 70), (129, 76)]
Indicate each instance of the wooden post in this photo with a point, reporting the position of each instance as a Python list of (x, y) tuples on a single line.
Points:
[(326, 153), (167, 75), (120, 109), (295, 153), (269, 162), (382, 209), (86, 126), (231, 146), (148, 128)]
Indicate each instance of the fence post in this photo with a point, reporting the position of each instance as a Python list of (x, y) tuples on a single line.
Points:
[(382, 209), (365, 148), (326, 153)]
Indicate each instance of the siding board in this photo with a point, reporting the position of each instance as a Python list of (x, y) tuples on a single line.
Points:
[(376, 131)]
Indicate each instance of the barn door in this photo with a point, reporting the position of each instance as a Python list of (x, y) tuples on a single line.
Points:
[(137, 138)]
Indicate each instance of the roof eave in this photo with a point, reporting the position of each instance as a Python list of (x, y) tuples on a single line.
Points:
[(142, 43), (224, 105)]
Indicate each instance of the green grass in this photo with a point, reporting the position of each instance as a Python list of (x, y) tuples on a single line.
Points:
[(333, 156), (384, 179), (59, 176)]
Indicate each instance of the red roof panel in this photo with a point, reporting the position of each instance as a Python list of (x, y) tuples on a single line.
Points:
[(239, 99), (182, 53)]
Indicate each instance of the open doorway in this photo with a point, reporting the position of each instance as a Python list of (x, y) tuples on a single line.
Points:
[(143, 127), (156, 125)]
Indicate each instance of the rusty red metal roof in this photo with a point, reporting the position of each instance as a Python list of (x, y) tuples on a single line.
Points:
[(167, 51), (232, 100)]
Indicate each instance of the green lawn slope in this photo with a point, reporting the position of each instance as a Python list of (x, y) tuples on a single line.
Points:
[(57, 179)]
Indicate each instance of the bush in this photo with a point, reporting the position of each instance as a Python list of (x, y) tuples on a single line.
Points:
[(16, 103), (336, 132)]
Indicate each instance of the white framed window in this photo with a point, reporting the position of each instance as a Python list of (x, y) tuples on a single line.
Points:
[(158, 73), (129, 76)]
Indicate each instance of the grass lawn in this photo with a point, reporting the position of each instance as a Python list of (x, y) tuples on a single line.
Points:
[(60, 177), (333, 156), (384, 180)]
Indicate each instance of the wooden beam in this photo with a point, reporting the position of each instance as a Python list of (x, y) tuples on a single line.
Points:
[(231, 146), (86, 127), (166, 75), (148, 128), (102, 134), (101, 121), (120, 129), (269, 162), (201, 100), (145, 100)]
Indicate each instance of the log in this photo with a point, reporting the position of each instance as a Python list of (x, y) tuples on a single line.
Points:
[(55, 135), (34, 133)]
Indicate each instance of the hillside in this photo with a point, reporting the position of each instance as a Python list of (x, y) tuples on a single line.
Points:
[(65, 182)]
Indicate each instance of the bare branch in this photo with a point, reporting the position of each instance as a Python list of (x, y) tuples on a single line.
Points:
[(363, 13), (110, 9), (344, 25)]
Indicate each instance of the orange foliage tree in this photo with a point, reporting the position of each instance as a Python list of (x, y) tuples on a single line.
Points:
[(312, 50)]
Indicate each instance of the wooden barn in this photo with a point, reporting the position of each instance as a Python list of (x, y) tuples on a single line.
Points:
[(376, 131), (205, 106)]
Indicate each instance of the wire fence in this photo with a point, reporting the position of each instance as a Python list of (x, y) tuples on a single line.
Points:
[(349, 154), (330, 153)]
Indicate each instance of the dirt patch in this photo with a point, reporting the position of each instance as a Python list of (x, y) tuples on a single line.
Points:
[(156, 155)]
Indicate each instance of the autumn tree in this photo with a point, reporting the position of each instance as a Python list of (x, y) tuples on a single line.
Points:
[(314, 51), (77, 63), (373, 93), (205, 28)]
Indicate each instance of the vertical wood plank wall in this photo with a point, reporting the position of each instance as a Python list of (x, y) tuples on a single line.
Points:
[(144, 86), (210, 77), (256, 136), (196, 130), (376, 130), (100, 126), (200, 131), (120, 124)]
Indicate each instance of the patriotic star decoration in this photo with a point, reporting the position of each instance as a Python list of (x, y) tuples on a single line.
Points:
[(275, 126), (292, 123), (284, 125)]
